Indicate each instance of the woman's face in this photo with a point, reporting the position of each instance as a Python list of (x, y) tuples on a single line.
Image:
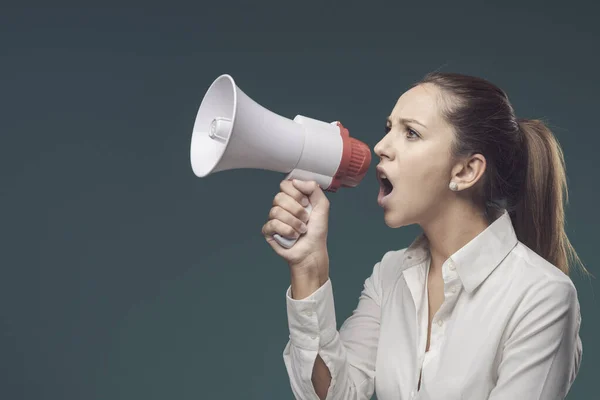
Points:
[(415, 158)]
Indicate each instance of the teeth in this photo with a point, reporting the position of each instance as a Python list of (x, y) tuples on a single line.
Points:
[(383, 176)]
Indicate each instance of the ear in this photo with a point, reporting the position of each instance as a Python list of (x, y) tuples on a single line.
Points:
[(467, 172)]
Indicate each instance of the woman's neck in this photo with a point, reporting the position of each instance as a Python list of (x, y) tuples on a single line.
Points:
[(452, 229)]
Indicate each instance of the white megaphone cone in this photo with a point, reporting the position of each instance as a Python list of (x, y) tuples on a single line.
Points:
[(232, 131)]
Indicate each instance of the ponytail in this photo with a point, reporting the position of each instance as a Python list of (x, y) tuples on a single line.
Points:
[(526, 171), (539, 217)]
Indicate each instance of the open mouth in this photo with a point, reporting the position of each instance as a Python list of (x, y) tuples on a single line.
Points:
[(386, 186)]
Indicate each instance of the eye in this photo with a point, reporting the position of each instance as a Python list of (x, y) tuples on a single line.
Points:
[(388, 128), (412, 132)]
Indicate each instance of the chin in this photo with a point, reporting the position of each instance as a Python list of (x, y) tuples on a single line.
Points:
[(395, 219)]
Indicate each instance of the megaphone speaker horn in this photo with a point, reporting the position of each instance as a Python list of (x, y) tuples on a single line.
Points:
[(231, 131)]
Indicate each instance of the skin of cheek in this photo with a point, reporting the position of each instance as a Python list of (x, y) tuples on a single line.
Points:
[(421, 185)]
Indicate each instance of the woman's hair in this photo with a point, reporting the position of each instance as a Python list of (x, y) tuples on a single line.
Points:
[(525, 171)]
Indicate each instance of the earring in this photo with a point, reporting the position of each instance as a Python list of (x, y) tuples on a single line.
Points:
[(453, 186)]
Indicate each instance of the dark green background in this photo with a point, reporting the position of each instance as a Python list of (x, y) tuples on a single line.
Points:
[(124, 276)]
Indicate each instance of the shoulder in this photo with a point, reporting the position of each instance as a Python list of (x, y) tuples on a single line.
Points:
[(532, 270), (533, 282)]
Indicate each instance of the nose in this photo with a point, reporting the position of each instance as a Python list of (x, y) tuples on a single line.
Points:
[(380, 149)]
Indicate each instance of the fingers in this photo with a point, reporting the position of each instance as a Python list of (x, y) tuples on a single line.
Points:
[(274, 226), (287, 203), (310, 189), (299, 224), (288, 188), (287, 217)]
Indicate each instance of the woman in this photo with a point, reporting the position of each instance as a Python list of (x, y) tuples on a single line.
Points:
[(480, 306)]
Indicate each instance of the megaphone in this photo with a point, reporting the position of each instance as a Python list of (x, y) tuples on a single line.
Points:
[(232, 131)]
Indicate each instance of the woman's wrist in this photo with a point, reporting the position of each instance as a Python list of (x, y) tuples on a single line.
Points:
[(302, 287)]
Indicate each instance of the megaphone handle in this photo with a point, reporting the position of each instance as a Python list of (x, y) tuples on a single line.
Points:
[(289, 243)]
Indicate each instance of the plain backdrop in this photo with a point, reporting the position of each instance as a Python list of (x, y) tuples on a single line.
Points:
[(124, 276)]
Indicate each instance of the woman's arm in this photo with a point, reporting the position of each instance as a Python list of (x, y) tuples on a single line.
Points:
[(542, 355), (323, 363), (300, 289)]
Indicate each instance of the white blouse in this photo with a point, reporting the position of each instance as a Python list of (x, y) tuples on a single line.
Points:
[(508, 328)]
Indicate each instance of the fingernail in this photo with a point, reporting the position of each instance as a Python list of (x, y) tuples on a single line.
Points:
[(304, 201), (303, 228)]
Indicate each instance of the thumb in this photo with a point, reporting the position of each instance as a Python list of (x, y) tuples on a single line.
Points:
[(311, 189)]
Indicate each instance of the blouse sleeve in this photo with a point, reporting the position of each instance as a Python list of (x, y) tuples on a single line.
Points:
[(349, 354), (543, 353)]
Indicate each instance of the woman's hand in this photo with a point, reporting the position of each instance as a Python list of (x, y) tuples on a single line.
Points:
[(308, 257)]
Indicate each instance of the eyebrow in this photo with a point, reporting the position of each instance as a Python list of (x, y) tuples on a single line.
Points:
[(405, 120)]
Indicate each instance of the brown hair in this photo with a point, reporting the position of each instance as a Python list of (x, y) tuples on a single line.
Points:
[(525, 171)]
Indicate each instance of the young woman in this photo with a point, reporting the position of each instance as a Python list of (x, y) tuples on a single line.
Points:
[(480, 306)]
